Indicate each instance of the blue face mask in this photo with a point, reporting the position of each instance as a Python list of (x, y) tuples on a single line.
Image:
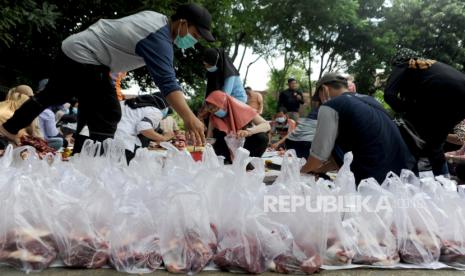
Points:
[(220, 113), (165, 112), (75, 110), (185, 42), (212, 69)]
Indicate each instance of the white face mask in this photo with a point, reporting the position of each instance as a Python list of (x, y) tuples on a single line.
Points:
[(280, 120)]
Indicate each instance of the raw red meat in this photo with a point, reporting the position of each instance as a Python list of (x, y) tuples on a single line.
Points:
[(194, 257), (85, 252), (336, 253), (39, 144), (137, 257), (246, 255), (137, 260), (452, 252), (288, 263), (28, 250), (419, 248)]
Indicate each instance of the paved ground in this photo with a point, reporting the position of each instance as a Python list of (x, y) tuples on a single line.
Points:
[(353, 272)]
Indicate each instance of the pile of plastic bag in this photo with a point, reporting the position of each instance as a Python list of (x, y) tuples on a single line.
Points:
[(96, 211)]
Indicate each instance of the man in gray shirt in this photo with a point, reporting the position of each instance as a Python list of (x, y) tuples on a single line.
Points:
[(358, 124), (118, 45)]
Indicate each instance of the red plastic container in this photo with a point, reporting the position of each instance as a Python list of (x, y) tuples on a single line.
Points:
[(197, 155)]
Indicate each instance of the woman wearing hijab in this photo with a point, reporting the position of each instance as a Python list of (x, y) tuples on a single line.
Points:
[(430, 95), (222, 75), (231, 116)]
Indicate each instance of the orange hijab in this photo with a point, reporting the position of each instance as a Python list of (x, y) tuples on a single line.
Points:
[(238, 113)]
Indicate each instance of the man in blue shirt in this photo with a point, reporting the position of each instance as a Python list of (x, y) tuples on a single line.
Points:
[(119, 45)]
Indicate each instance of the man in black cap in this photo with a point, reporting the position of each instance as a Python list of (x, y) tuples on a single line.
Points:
[(356, 123), (118, 45), (291, 99)]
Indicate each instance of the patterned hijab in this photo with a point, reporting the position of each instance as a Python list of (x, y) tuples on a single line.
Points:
[(413, 59)]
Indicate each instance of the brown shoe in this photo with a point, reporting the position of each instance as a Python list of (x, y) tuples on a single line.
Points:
[(12, 137)]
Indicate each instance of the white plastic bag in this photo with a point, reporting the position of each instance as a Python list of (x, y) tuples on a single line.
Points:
[(234, 143), (26, 240), (134, 238), (376, 244), (415, 226), (186, 239), (303, 253), (80, 245), (449, 211), (248, 241)]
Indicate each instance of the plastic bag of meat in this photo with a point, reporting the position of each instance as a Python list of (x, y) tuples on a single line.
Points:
[(234, 143), (134, 249), (26, 241), (248, 240), (39, 144), (371, 227), (339, 247), (186, 239), (450, 215), (79, 243), (415, 225), (303, 253)]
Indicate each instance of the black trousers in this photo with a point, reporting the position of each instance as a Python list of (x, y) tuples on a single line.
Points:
[(255, 144), (99, 107), (302, 148)]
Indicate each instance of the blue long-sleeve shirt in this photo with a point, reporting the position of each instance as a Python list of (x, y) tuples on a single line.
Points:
[(126, 44), (233, 87)]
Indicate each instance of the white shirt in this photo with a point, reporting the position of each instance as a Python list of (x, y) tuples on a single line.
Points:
[(133, 122)]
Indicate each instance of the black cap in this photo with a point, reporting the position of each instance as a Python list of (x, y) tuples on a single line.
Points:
[(197, 15), (330, 78)]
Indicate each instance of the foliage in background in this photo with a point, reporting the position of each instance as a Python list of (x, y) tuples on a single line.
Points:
[(359, 36), (379, 96), (270, 106)]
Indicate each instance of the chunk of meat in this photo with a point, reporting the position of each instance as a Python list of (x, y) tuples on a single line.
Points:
[(85, 252), (28, 250)]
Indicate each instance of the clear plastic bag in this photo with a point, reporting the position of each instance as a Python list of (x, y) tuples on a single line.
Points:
[(248, 240), (376, 244), (186, 239), (80, 244), (26, 240), (303, 252), (415, 226), (135, 249), (449, 210), (234, 143)]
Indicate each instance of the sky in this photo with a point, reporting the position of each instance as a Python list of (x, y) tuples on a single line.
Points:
[(259, 72)]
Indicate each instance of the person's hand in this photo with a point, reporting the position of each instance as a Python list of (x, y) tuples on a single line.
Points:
[(274, 146), (243, 133), (195, 131), (168, 135)]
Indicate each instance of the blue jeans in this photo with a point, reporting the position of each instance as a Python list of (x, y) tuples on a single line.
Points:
[(55, 142)]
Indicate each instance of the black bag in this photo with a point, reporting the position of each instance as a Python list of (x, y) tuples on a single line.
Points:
[(410, 136), (406, 129)]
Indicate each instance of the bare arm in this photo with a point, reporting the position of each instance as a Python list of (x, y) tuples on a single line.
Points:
[(260, 104), (260, 125)]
